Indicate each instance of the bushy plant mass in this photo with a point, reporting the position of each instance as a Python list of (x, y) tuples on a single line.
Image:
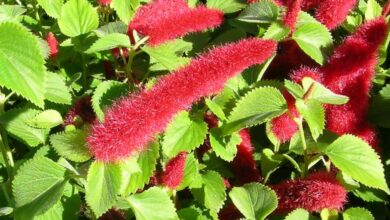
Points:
[(194, 109)]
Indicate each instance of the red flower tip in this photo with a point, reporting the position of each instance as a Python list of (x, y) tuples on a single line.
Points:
[(284, 127), (227, 183), (104, 2), (211, 120), (293, 9), (174, 171), (53, 44), (303, 72), (332, 13), (316, 192), (244, 166), (132, 122), (155, 18), (83, 109), (109, 71)]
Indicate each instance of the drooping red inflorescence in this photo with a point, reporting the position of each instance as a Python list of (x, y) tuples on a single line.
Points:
[(244, 166), (284, 127), (305, 71), (83, 109), (316, 192), (53, 44), (293, 7), (164, 20), (349, 72), (104, 2), (174, 171), (367, 132), (332, 13), (133, 121)]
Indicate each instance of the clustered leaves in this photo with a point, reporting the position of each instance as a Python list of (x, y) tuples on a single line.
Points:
[(194, 109)]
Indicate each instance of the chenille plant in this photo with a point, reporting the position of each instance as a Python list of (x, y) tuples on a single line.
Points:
[(194, 109)]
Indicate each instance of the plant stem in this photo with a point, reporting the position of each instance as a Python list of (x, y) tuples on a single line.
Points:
[(7, 154), (304, 146), (84, 70)]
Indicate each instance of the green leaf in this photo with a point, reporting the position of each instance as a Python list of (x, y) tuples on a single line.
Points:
[(314, 114), (255, 201), (322, 94), (313, 38), (110, 41), (152, 204), (47, 119), (380, 107), (169, 55), (357, 159), (14, 122), (294, 89), (299, 214), (270, 161), (256, 107), (52, 7), (56, 89), (227, 6), (125, 9), (373, 10), (147, 162), (215, 108), (276, 31), (183, 134), (38, 185), (71, 145), (191, 213), (110, 28), (78, 17), (357, 214), (224, 147), (105, 94), (191, 171), (10, 12), (22, 64), (212, 194), (103, 183), (265, 11)]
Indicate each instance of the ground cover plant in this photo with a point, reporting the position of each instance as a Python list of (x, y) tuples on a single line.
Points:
[(194, 109)]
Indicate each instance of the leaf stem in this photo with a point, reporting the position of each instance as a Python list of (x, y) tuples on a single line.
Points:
[(304, 146), (7, 154)]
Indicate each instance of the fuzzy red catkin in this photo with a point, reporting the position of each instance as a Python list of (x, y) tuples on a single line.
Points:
[(132, 122), (164, 20), (174, 171), (244, 166), (332, 13), (349, 72), (293, 7), (52, 43), (284, 127), (316, 192)]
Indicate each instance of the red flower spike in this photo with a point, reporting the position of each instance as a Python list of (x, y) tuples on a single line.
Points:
[(292, 11), (132, 122), (53, 44), (113, 214), (289, 58), (116, 52), (83, 109), (318, 191), (104, 2), (109, 70), (155, 18), (244, 166), (332, 13), (174, 171), (349, 72), (284, 127)]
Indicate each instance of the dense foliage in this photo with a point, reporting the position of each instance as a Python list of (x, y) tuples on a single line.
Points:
[(194, 109)]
